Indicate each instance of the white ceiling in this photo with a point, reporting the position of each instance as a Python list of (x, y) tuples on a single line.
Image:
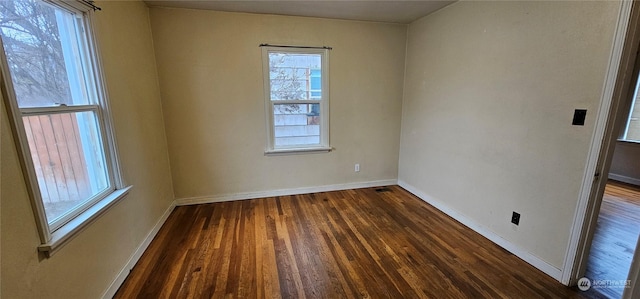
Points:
[(397, 11)]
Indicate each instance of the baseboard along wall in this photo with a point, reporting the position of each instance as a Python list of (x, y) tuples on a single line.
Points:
[(624, 179), (120, 278), (281, 192), (485, 232), (122, 275), (519, 252)]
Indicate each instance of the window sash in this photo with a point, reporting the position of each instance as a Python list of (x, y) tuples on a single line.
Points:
[(100, 109), (92, 200), (295, 146), (322, 101)]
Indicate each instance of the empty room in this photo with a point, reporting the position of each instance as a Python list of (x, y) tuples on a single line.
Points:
[(309, 149)]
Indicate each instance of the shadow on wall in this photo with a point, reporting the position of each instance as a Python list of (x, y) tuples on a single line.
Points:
[(625, 165)]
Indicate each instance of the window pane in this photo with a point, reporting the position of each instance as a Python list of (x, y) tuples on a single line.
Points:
[(632, 132), (295, 76), (69, 162), (44, 54), (296, 125)]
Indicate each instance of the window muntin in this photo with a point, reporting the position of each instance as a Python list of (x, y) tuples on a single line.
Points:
[(57, 101), (296, 86)]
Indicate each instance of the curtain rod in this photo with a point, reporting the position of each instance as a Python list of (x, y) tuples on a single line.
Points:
[(303, 47), (90, 3)]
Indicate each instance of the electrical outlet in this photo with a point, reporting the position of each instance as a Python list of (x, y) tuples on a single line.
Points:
[(515, 218), (357, 167), (579, 116)]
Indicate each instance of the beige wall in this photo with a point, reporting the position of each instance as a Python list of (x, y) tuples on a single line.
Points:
[(490, 90), (86, 266), (625, 165), (489, 93), (210, 71)]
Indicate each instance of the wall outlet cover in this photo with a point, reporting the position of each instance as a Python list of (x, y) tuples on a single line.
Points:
[(579, 115), (515, 218)]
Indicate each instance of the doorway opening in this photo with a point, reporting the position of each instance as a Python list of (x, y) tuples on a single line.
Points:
[(599, 219), (618, 225), (615, 238)]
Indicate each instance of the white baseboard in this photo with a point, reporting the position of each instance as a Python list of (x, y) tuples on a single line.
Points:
[(115, 285), (485, 232), (281, 192), (624, 179)]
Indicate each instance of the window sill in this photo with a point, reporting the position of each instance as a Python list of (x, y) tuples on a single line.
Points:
[(295, 151), (66, 232), (629, 141)]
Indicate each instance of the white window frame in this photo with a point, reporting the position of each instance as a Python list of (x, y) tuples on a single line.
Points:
[(323, 101), (53, 236), (625, 132)]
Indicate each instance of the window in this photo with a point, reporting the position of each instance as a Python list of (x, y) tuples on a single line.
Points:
[(296, 99), (632, 129), (59, 113)]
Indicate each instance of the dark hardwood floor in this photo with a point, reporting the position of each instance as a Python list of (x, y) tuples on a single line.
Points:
[(364, 243), (616, 235)]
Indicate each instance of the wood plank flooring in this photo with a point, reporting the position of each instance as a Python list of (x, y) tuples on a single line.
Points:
[(614, 241), (364, 243)]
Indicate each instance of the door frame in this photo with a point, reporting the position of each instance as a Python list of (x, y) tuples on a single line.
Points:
[(619, 86)]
